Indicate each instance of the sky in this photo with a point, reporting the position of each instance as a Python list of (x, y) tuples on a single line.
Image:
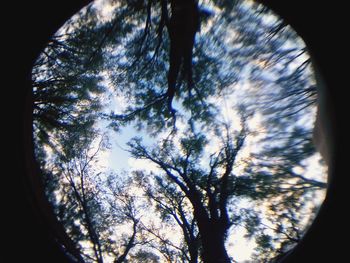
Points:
[(118, 160)]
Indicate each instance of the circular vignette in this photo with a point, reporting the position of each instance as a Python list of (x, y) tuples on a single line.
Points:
[(310, 46)]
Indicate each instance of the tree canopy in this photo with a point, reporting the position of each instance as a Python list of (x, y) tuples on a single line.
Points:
[(234, 158)]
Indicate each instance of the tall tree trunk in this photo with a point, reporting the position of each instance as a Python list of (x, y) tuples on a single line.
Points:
[(182, 28), (212, 232), (213, 242)]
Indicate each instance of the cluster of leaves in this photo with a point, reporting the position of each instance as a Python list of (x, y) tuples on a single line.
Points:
[(66, 87)]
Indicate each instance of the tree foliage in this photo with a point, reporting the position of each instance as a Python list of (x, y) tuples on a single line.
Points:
[(237, 153)]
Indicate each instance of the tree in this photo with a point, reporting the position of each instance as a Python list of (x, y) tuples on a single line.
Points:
[(149, 92), (171, 203), (91, 205), (127, 211), (209, 184), (66, 85), (207, 191), (210, 157)]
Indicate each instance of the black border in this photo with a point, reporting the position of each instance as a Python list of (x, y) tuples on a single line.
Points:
[(30, 236)]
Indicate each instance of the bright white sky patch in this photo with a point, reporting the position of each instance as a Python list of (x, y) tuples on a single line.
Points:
[(240, 251), (141, 164), (106, 9), (314, 170)]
